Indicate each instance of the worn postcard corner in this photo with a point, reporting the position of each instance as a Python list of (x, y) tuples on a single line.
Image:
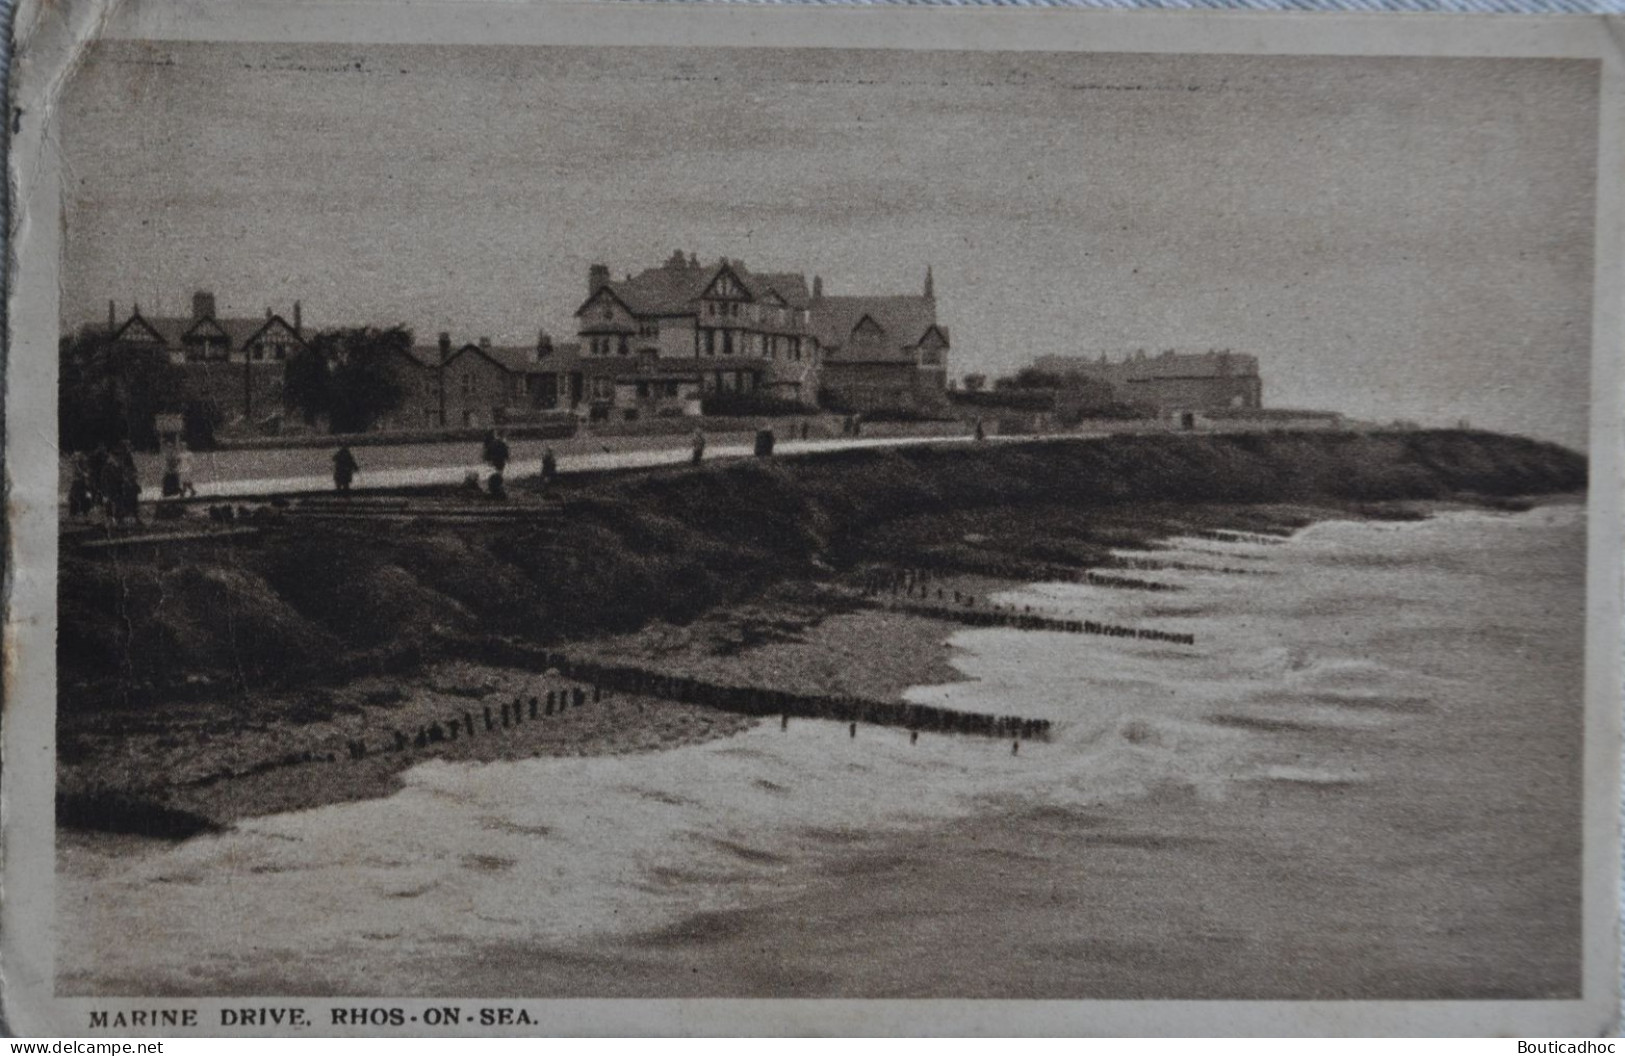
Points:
[(1113, 517)]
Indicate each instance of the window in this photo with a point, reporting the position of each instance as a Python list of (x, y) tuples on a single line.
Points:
[(603, 388), (727, 342), (608, 311), (733, 309), (468, 384), (710, 342), (622, 348)]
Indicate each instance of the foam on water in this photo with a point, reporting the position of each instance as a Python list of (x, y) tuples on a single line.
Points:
[(561, 851)]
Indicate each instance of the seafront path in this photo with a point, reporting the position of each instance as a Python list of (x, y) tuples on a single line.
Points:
[(303, 471)]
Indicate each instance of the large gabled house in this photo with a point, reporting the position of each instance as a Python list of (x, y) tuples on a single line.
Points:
[(206, 337), (684, 329), (233, 364), (1174, 381), (885, 353)]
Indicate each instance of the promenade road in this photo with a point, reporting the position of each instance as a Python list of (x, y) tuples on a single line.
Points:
[(294, 471)]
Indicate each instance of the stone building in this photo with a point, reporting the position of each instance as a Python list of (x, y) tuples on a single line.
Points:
[(884, 353), (479, 385), (1172, 382), (233, 364), (657, 341)]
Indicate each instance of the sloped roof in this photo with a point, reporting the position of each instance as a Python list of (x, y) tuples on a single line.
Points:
[(1192, 365), (425, 355), (673, 288), (1158, 366), (239, 330), (905, 319), (519, 359), (791, 285), (168, 328)]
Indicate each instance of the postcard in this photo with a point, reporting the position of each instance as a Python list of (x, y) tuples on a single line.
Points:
[(633, 518)]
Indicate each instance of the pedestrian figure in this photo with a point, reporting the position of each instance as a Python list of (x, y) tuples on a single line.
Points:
[(129, 485), (495, 452), (495, 487), (913, 736), (1015, 747), (96, 474), (170, 485), (699, 446), (344, 469), (550, 465), (981, 434), (79, 488), (183, 469), (784, 722), (852, 731)]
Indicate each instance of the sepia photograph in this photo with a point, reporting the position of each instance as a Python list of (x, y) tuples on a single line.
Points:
[(768, 519)]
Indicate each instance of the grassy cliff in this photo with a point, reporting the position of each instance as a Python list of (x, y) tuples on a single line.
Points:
[(319, 602)]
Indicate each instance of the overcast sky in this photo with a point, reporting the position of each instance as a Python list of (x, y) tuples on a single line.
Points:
[(1391, 237)]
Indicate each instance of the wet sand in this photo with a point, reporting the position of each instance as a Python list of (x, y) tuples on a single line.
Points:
[(1362, 783)]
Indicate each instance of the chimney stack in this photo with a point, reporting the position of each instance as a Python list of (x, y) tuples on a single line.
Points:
[(202, 305), (298, 323), (445, 346), (485, 342), (818, 288), (112, 317), (597, 278), (544, 344), (930, 287)]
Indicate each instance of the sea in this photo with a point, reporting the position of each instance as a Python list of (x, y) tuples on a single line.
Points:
[(1362, 781)]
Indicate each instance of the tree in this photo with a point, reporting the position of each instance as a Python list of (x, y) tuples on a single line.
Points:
[(307, 383), (350, 376), (110, 392)]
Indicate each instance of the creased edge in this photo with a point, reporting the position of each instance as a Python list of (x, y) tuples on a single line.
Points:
[(48, 42)]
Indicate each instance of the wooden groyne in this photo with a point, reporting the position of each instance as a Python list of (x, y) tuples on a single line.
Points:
[(913, 591), (762, 702)]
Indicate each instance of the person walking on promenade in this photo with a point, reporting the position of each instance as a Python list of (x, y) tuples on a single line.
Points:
[(183, 467), (550, 465), (699, 446), (344, 469), (104, 481), (981, 433), (127, 495), (170, 487), (79, 489), (494, 452)]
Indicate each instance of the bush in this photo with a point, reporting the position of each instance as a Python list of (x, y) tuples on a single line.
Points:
[(749, 404)]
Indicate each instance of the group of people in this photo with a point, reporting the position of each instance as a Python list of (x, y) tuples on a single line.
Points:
[(106, 482), (494, 452)]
